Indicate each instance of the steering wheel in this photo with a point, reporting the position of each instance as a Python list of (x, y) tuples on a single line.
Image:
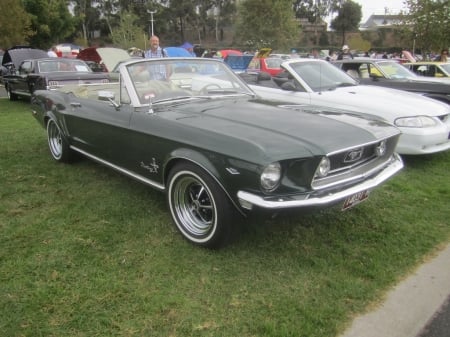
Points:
[(211, 86)]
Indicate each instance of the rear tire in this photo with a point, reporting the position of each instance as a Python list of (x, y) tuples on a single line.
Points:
[(59, 148), (199, 207)]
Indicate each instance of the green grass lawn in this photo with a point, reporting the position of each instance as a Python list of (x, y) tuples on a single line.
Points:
[(87, 252)]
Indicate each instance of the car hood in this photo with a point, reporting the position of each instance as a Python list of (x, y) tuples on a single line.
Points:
[(277, 132), (239, 63), (386, 103), (17, 55), (428, 80), (108, 55)]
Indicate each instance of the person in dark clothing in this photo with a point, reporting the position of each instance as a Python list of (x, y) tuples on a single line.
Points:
[(345, 54), (443, 57)]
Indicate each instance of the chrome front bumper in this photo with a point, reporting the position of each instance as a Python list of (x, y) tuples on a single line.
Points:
[(248, 200)]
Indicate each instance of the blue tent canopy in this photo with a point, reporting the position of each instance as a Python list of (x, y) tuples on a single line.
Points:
[(187, 45), (177, 52)]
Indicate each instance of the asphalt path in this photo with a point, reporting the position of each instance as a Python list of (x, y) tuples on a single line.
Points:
[(437, 326)]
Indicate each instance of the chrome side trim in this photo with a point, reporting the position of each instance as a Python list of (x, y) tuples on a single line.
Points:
[(247, 199), (120, 169)]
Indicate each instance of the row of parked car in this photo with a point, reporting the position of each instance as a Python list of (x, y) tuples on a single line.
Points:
[(224, 144)]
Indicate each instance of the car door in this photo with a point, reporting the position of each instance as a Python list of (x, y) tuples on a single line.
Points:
[(18, 83), (98, 128)]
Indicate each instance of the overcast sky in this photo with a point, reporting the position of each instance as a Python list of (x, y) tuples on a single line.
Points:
[(370, 7)]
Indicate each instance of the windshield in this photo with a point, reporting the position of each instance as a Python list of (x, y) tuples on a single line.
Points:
[(321, 76), (62, 64), (395, 70), (446, 67), (163, 79), (274, 62)]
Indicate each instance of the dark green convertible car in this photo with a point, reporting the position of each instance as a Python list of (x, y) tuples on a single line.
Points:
[(191, 128)]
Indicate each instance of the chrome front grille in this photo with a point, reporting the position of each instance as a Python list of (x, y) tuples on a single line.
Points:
[(355, 164)]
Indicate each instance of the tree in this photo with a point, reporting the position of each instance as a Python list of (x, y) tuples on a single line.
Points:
[(314, 10), (266, 23), (87, 16), (50, 20), (184, 12), (429, 21), (127, 34), (15, 24), (348, 18)]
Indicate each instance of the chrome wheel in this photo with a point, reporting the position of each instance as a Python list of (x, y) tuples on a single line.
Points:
[(54, 140), (199, 208), (12, 96), (58, 146)]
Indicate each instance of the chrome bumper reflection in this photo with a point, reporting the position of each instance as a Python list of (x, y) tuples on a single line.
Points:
[(248, 200)]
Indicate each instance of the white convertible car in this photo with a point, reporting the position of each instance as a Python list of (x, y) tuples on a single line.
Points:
[(424, 122)]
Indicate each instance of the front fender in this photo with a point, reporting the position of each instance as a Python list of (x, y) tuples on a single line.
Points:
[(45, 107), (210, 163)]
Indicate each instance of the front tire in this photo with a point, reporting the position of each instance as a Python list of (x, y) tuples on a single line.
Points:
[(59, 148), (12, 96), (199, 207)]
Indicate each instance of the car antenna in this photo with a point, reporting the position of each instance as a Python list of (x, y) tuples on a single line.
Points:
[(320, 78)]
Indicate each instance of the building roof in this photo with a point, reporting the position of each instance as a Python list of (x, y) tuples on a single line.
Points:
[(381, 21)]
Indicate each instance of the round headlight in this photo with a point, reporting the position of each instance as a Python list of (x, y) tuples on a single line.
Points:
[(323, 168), (380, 149), (271, 175)]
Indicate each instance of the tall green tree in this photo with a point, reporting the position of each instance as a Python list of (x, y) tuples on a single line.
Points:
[(183, 14), (224, 12), (127, 34), (314, 10), (15, 24), (348, 18), (50, 20), (266, 23), (87, 14), (429, 23)]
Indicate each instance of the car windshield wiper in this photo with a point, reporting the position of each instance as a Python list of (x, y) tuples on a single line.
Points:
[(345, 84), (221, 91), (171, 99), (341, 85), (229, 92)]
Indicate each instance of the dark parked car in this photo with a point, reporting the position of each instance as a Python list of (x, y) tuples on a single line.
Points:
[(391, 74), (49, 73), (202, 136), (14, 56), (433, 69)]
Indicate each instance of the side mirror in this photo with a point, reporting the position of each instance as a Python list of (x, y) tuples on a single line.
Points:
[(105, 95)]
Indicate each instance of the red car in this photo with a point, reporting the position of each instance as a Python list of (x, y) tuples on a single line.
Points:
[(263, 62)]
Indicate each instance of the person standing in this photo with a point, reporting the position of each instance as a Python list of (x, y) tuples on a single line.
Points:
[(155, 50), (345, 54), (52, 52), (156, 71), (443, 57)]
